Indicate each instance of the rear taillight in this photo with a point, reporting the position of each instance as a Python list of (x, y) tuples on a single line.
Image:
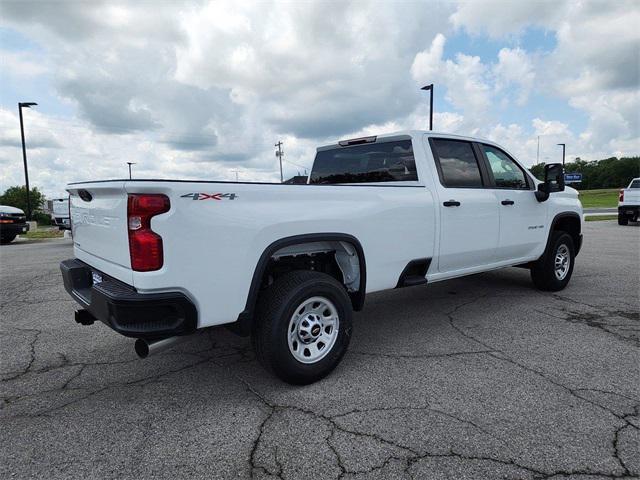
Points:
[(145, 246), (621, 196)]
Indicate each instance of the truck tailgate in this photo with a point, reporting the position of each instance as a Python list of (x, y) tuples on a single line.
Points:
[(631, 196), (99, 222)]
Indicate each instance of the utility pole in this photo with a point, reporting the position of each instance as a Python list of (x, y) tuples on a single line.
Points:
[(22, 105), (430, 88), (538, 152), (563, 150), (130, 163), (279, 155), (236, 172)]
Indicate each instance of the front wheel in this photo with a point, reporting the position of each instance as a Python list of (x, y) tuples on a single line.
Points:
[(553, 270), (303, 326), (4, 239)]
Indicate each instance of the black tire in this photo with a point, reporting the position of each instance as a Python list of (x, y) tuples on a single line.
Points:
[(622, 220), (276, 307), (543, 272), (4, 239)]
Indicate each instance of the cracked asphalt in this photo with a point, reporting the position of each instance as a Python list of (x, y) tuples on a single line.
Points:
[(482, 377)]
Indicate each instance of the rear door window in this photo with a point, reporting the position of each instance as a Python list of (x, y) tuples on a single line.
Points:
[(457, 163), (391, 161)]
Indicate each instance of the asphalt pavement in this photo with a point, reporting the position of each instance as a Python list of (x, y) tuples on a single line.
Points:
[(481, 377)]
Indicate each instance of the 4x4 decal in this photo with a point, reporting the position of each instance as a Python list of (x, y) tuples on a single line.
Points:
[(210, 196)]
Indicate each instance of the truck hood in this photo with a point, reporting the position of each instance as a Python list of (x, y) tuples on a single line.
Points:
[(8, 209)]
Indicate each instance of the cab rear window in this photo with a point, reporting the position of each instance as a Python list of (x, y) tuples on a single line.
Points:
[(391, 161)]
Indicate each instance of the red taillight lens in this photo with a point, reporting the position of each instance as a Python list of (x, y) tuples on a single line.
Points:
[(621, 196), (145, 246)]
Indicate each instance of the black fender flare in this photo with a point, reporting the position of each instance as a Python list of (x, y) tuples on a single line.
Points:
[(554, 223), (243, 324)]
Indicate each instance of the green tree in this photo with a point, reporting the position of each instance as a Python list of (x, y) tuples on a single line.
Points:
[(17, 197), (606, 173)]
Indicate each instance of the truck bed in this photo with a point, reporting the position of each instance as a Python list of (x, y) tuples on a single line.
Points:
[(222, 228)]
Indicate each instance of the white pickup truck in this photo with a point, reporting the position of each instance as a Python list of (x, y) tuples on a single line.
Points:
[(60, 214), (629, 203), (158, 259)]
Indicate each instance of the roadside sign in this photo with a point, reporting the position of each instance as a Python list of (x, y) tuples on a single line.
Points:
[(572, 177)]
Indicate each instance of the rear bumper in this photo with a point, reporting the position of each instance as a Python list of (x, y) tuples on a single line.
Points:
[(121, 307), (630, 211), (14, 228), (62, 223)]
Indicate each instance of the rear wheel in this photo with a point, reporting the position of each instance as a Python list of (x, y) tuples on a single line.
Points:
[(4, 239), (303, 326), (622, 220), (553, 270)]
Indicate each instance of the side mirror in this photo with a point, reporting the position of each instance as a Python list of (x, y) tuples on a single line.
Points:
[(553, 181)]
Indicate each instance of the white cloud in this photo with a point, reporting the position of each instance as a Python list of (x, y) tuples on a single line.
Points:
[(499, 18), (465, 80), (21, 65), (594, 67), (200, 89), (515, 67), (550, 127), (61, 151)]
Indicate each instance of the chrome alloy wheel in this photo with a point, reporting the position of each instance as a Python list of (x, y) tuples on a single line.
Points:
[(562, 262), (313, 330)]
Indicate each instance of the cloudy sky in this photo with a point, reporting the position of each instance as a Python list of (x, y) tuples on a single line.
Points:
[(203, 90)]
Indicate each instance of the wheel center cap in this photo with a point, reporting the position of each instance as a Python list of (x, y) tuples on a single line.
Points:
[(309, 328)]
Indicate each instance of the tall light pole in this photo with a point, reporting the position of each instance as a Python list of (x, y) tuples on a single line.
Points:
[(563, 150), (130, 163), (279, 155), (22, 105), (430, 88), (538, 152)]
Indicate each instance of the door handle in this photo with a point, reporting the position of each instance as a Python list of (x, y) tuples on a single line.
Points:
[(451, 203), (507, 202)]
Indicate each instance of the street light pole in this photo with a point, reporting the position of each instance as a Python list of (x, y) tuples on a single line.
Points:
[(563, 150), (130, 163), (279, 155), (22, 105), (430, 88), (538, 152)]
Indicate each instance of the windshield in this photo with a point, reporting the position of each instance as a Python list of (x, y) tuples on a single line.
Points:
[(375, 162)]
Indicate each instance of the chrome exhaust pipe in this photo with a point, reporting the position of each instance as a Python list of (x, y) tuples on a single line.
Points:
[(144, 348)]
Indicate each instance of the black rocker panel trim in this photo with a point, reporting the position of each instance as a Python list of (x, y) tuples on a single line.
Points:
[(414, 273)]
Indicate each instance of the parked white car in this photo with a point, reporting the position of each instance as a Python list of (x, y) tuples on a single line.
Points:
[(629, 203), (158, 259)]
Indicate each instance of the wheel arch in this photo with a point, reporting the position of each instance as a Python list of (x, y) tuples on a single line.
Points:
[(245, 318), (567, 222)]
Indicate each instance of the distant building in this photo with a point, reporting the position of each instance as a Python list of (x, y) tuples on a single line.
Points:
[(47, 207)]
